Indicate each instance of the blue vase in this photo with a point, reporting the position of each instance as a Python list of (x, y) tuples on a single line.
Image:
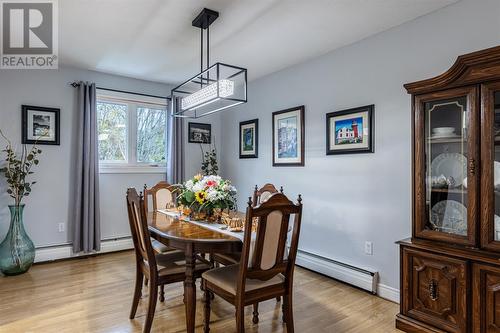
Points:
[(17, 251)]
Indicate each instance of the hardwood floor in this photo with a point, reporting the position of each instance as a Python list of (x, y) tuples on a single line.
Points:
[(94, 295)]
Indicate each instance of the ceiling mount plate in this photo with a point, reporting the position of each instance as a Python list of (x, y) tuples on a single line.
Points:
[(205, 18)]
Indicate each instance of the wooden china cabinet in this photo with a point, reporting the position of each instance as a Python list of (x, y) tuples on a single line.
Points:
[(450, 268)]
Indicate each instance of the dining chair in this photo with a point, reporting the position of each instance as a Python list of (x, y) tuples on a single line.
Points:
[(270, 272), (259, 196), (159, 269), (262, 194), (162, 195)]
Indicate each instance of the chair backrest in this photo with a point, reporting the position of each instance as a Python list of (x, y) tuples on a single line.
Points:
[(268, 253), (139, 228), (262, 195), (162, 195)]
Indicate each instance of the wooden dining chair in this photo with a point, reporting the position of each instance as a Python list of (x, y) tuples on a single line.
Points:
[(159, 269), (162, 195), (259, 196), (270, 273)]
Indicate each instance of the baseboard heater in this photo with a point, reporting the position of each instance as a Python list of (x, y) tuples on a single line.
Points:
[(360, 277), (63, 251)]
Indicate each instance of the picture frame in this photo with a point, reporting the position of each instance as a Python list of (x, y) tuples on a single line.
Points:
[(200, 133), (40, 125), (249, 138), (350, 131), (289, 137)]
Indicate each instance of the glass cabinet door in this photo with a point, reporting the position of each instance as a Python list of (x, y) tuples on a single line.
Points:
[(446, 137), (490, 166)]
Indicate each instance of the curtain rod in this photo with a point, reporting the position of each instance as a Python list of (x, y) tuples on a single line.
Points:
[(76, 84)]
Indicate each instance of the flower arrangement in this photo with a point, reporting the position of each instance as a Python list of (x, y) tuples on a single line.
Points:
[(204, 194)]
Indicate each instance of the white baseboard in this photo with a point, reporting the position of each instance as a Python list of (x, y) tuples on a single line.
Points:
[(343, 273), (66, 251), (389, 293)]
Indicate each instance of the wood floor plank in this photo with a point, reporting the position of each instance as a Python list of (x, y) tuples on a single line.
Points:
[(93, 295)]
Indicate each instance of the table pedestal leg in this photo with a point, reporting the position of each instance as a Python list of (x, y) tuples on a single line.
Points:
[(190, 290)]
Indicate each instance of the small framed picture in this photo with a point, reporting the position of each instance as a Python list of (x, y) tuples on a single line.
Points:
[(350, 131), (200, 133), (40, 125), (288, 137), (249, 139)]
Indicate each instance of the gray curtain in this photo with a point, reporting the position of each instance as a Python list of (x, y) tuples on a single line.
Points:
[(87, 227), (175, 145)]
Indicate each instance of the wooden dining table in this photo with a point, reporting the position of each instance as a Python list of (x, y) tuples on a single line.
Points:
[(193, 240)]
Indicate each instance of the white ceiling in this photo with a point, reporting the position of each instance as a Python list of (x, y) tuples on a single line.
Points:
[(154, 39)]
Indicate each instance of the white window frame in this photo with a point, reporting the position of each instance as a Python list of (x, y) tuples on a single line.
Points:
[(133, 102)]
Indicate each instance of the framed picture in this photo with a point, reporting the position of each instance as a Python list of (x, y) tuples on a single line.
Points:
[(40, 125), (200, 133), (350, 131), (249, 138), (288, 137)]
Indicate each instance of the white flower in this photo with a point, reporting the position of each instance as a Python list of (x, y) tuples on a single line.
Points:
[(213, 195), (198, 186), (189, 185)]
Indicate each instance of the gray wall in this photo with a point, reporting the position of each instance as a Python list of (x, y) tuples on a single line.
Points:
[(49, 204), (349, 199)]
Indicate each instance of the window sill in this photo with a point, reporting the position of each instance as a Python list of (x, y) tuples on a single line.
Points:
[(131, 169)]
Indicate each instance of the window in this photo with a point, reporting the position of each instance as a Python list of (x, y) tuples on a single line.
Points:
[(131, 132), (151, 141)]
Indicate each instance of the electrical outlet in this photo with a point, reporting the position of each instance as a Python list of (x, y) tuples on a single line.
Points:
[(368, 248), (61, 227)]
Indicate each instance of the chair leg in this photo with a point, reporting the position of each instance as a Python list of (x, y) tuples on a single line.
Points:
[(162, 293), (137, 293), (153, 296), (278, 299), (283, 309), (206, 322), (240, 319), (255, 318), (287, 299)]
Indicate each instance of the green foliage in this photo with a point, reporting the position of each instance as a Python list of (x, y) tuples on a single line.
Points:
[(151, 141), (18, 168), (112, 127), (209, 165)]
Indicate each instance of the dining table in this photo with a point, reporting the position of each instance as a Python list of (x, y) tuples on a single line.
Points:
[(193, 238)]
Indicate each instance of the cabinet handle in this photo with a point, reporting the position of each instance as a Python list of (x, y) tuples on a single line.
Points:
[(472, 166), (433, 290)]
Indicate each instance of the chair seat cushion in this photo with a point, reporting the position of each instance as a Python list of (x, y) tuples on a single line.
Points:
[(159, 247), (174, 262), (225, 278), (231, 258)]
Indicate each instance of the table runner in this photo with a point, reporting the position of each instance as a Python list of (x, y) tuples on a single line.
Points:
[(208, 225)]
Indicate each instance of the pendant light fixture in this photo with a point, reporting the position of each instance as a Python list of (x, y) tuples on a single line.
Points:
[(215, 88)]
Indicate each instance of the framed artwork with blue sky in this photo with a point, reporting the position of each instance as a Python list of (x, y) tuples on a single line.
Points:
[(350, 131)]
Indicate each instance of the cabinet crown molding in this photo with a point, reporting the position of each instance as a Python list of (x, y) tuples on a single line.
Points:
[(471, 68)]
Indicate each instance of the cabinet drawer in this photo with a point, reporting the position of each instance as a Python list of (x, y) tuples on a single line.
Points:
[(435, 290), (486, 294)]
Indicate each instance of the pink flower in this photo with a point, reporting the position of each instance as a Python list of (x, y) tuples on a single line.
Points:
[(211, 183)]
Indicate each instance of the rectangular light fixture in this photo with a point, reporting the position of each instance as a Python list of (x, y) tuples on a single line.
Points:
[(217, 88), (212, 92)]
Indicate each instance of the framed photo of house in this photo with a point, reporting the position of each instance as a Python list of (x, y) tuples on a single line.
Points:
[(200, 133), (249, 138), (350, 131), (40, 125), (288, 137)]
